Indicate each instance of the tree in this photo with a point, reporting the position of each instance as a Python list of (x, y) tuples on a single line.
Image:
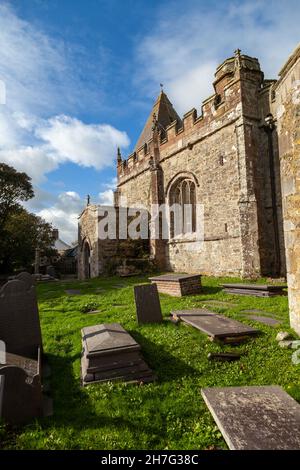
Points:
[(15, 187), (23, 233)]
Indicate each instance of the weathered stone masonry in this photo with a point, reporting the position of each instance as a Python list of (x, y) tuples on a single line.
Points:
[(224, 152), (286, 109)]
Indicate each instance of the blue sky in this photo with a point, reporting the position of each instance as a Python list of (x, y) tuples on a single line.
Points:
[(81, 76)]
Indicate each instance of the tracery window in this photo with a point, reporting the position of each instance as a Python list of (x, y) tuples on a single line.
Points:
[(182, 203)]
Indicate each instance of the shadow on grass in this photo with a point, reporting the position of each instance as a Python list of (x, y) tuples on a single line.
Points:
[(164, 365), (74, 408), (210, 290)]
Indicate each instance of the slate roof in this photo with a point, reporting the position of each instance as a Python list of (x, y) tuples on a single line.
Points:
[(165, 115), (60, 245)]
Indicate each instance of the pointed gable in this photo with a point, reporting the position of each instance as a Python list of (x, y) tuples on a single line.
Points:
[(165, 115)]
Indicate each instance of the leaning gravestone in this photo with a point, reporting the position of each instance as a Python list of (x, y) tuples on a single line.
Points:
[(255, 418), (147, 304), (22, 398), (19, 319)]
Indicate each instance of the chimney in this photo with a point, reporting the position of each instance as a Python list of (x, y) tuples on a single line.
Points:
[(55, 233)]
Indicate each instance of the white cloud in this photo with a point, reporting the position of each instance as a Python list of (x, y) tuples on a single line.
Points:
[(39, 79), (40, 73), (106, 197), (64, 214), (85, 144), (42, 80), (190, 39), (57, 140)]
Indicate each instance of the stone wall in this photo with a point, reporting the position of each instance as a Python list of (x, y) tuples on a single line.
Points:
[(104, 255), (286, 108), (225, 151)]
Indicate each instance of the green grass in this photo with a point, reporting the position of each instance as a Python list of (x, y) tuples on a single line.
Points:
[(168, 414)]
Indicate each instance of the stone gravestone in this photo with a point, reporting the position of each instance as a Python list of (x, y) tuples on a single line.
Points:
[(19, 319), (50, 270), (22, 398), (213, 324), (109, 354), (147, 304), (27, 278)]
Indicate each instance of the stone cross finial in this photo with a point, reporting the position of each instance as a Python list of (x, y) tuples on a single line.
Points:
[(119, 156), (237, 52)]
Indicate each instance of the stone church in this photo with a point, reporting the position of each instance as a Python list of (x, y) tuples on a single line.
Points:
[(237, 158)]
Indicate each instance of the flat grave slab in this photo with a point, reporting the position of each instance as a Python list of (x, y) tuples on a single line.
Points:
[(262, 319), (73, 292), (107, 338), (255, 418), (259, 312), (257, 290), (219, 303), (147, 304), (215, 325), (178, 285)]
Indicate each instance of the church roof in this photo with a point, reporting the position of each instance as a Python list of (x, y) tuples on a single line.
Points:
[(60, 245), (165, 115)]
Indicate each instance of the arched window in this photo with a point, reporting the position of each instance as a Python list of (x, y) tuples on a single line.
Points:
[(182, 203)]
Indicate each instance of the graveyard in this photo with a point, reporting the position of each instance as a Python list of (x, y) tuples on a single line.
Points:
[(170, 412)]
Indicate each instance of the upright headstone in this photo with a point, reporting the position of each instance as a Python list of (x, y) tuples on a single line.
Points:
[(147, 304), (50, 270), (19, 319), (28, 279), (22, 398)]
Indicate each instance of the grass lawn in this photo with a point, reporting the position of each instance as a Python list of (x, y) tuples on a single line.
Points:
[(168, 414)]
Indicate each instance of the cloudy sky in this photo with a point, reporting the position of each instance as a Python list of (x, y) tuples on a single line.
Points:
[(79, 77)]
